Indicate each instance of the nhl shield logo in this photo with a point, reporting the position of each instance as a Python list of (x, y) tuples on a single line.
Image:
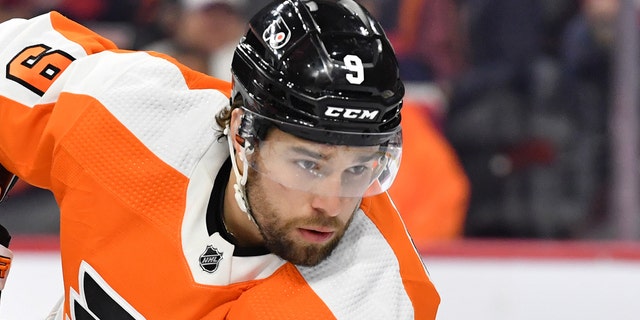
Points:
[(210, 259), (277, 35)]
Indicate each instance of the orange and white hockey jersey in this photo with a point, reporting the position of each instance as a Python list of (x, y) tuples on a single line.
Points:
[(128, 144)]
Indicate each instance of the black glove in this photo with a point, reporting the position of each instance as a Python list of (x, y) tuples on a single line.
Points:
[(7, 180)]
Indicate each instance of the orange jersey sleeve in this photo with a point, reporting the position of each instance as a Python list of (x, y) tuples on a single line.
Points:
[(30, 66)]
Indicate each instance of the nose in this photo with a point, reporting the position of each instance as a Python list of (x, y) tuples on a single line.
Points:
[(324, 195), (327, 205)]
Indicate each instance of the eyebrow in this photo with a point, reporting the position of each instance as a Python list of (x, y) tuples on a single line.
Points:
[(322, 156), (308, 152)]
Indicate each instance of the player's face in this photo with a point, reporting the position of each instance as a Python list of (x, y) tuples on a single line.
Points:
[(301, 226)]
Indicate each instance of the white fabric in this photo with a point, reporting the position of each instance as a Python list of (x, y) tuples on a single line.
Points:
[(160, 125), (362, 260)]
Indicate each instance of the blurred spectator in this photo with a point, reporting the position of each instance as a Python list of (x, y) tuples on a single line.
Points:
[(488, 109), (556, 14), (587, 47), (586, 56), (502, 119), (527, 118), (117, 20), (16, 9), (205, 36), (429, 40), (504, 40)]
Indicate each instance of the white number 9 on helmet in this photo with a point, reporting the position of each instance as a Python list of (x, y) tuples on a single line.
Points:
[(354, 65)]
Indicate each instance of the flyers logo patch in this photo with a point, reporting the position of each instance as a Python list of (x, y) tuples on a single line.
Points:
[(277, 35)]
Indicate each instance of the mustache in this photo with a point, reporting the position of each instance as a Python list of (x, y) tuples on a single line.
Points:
[(321, 221), (316, 221)]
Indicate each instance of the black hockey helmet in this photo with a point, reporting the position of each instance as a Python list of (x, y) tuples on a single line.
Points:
[(320, 70), (325, 72)]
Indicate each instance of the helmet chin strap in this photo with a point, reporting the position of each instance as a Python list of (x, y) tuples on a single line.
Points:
[(241, 179)]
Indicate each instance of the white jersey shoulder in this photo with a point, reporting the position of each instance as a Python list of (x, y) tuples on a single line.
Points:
[(150, 96), (365, 260)]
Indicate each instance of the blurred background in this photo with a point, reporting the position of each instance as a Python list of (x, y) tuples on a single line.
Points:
[(520, 126), (520, 120)]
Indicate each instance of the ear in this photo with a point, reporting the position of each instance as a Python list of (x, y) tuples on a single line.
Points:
[(234, 126)]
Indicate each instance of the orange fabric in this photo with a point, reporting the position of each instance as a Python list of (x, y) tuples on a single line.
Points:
[(30, 123), (431, 190), (284, 296), (80, 34), (409, 11)]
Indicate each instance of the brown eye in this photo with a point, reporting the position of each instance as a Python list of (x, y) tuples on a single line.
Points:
[(309, 166), (357, 170)]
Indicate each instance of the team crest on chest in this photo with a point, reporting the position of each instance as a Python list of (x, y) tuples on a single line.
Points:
[(210, 259)]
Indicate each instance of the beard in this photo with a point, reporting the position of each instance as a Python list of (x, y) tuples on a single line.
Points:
[(277, 231)]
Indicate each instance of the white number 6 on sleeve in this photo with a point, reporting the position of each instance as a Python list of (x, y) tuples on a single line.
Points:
[(354, 65)]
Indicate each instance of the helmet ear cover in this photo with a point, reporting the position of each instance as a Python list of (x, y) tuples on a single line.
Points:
[(251, 130)]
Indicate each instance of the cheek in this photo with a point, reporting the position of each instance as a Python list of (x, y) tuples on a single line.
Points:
[(272, 199), (274, 192), (268, 197), (350, 206)]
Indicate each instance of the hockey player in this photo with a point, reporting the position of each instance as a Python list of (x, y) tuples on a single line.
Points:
[(185, 197)]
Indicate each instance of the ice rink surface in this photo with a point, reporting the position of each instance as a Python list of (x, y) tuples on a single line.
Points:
[(33, 287), (490, 287)]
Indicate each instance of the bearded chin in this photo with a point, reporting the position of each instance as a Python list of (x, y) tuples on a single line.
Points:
[(297, 253), (276, 234)]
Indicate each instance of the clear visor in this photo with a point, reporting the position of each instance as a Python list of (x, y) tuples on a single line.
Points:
[(326, 169)]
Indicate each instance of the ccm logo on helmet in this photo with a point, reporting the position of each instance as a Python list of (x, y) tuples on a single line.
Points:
[(348, 113)]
